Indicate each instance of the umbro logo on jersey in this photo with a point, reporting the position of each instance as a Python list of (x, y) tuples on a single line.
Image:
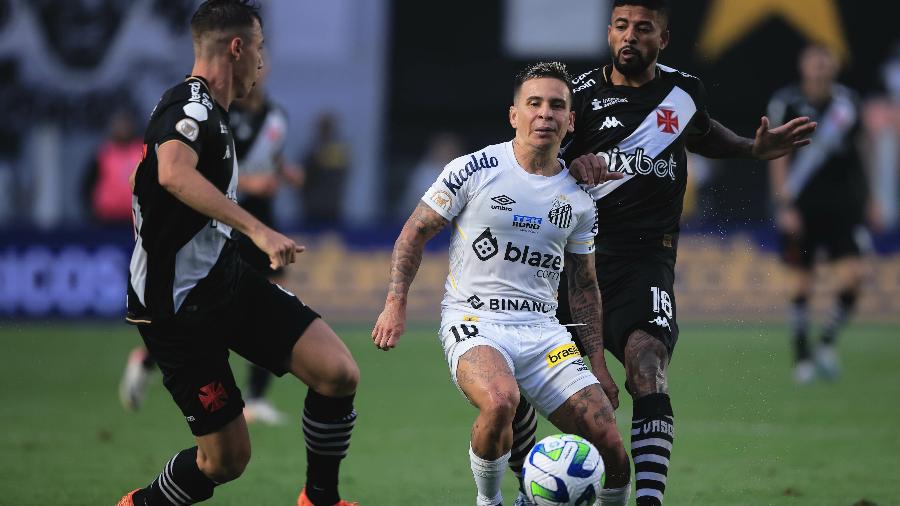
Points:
[(502, 202), (610, 122), (560, 214), (222, 128), (667, 121)]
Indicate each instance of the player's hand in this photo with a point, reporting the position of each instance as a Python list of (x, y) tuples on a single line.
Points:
[(592, 170), (390, 326), (606, 382), (281, 249), (788, 220), (777, 142)]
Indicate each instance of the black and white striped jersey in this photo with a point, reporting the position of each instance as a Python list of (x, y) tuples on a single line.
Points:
[(826, 176), (176, 247), (640, 132)]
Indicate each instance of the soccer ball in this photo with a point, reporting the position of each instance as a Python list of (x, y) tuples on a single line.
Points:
[(563, 469)]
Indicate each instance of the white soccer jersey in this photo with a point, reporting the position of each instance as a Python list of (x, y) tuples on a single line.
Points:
[(510, 231)]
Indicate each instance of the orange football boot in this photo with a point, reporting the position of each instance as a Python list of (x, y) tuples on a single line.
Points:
[(304, 501), (127, 500)]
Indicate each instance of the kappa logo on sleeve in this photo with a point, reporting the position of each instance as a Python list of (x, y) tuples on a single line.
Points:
[(562, 353), (188, 128)]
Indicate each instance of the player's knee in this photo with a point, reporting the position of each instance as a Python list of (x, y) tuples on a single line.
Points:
[(226, 466), (342, 379), (646, 359), (500, 408)]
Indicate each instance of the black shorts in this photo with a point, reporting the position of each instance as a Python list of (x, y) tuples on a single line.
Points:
[(638, 293), (837, 237), (262, 323)]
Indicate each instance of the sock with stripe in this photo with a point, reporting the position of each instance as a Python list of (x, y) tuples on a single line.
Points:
[(524, 426), (846, 302), (799, 324), (488, 478), (181, 482), (652, 433), (327, 426)]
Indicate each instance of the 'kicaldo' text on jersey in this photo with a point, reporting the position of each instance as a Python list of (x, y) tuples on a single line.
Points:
[(641, 132), (177, 247), (510, 233)]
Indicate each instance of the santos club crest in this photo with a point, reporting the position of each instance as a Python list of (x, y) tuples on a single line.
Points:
[(561, 213)]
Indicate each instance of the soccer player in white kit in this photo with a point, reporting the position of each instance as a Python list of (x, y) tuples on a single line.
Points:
[(517, 216)]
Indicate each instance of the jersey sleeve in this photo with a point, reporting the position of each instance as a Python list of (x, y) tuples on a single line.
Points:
[(452, 190), (581, 242), (700, 123), (183, 121)]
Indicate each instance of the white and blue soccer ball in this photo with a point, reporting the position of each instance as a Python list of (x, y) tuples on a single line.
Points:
[(563, 470)]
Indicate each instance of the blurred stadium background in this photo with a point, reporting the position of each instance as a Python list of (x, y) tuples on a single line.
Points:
[(396, 76)]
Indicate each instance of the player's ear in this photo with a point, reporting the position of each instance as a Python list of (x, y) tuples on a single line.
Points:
[(513, 116), (236, 47), (664, 36), (571, 126)]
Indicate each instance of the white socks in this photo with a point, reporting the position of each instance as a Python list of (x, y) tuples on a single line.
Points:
[(488, 478), (615, 496)]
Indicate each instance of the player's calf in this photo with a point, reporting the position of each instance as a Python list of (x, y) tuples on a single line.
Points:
[(653, 423), (589, 414)]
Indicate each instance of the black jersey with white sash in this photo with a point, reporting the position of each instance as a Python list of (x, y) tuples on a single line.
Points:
[(641, 132), (177, 248), (827, 177)]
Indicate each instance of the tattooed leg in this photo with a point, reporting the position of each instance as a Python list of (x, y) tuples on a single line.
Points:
[(589, 414), (485, 378)]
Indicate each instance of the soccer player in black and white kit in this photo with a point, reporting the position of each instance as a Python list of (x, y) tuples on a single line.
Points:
[(518, 216), (193, 298), (637, 117), (821, 198)]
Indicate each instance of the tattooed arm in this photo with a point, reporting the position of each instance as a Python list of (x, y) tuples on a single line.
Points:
[(587, 308), (424, 224)]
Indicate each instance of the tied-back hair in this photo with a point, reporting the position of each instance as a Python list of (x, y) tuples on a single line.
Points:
[(224, 15), (553, 69)]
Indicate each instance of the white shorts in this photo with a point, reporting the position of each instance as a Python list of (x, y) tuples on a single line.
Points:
[(542, 357)]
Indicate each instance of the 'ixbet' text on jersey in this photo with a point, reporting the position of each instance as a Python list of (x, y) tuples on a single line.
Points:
[(641, 133)]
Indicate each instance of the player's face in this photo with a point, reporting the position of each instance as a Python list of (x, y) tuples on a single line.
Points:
[(636, 35), (250, 64), (542, 114), (818, 64)]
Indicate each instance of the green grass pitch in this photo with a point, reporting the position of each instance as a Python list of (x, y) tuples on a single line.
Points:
[(744, 433)]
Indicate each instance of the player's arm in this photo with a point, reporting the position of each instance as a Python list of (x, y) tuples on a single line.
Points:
[(179, 176), (769, 143), (587, 308), (422, 225)]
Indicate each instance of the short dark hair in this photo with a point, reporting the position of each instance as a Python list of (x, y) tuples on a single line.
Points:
[(224, 15), (553, 69), (661, 7)]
